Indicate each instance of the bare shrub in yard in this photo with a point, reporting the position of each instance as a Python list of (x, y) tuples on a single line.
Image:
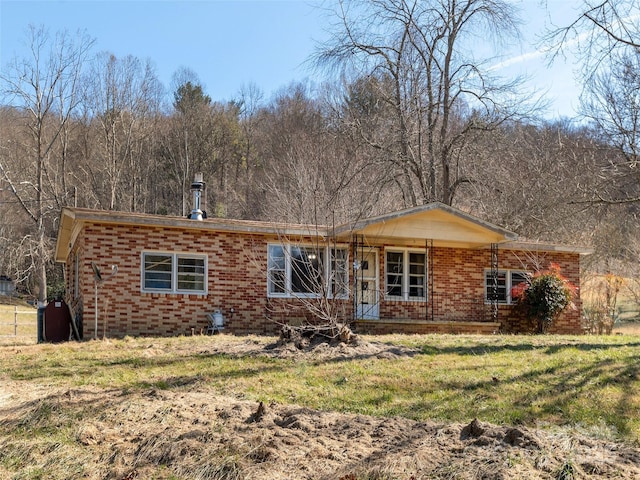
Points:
[(308, 336), (601, 309), (313, 274)]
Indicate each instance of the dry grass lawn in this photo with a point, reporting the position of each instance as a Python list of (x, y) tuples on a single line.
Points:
[(400, 407)]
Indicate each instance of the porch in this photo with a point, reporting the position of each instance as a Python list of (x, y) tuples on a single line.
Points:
[(442, 313)]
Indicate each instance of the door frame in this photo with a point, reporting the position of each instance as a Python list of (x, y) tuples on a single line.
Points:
[(369, 310)]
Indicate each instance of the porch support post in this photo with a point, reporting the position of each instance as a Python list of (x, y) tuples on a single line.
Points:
[(494, 282), (355, 268), (354, 272), (430, 282)]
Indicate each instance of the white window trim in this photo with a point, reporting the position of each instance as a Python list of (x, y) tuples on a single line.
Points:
[(508, 284), (288, 290), (174, 273), (405, 274)]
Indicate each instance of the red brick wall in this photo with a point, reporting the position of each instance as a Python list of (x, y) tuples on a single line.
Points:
[(458, 292), (236, 284), (237, 281), (297, 312)]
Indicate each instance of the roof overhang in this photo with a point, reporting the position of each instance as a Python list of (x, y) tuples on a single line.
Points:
[(65, 235), (436, 223), (546, 247), (72, 220)]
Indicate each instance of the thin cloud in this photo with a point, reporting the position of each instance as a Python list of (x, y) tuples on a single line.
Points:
[(525, 57)]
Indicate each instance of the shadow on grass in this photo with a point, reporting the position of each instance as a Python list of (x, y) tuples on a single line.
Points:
[(588, 393), (137, 372), (556, 389), (464, 350)]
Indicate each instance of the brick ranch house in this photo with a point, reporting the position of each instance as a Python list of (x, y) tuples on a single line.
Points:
[(431, 268)]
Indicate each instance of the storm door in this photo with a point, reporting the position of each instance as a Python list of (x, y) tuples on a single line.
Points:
[(367, 294)]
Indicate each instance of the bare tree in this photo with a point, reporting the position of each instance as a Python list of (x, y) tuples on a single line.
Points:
[(311, 175), (308, 279), (602, 28), (420, 58), (46, 87), (249, 166), (532, 179), (122, 95), (226, 155), (612, 103), (606, 37)]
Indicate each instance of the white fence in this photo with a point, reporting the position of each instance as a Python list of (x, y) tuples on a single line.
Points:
[(18, 323)]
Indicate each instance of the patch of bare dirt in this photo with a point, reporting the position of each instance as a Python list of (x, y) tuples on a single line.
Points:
[(165, 434)]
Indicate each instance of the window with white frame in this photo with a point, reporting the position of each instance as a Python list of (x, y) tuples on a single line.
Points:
[(303, 271), (406, 274), (174, 272), (505, 282)]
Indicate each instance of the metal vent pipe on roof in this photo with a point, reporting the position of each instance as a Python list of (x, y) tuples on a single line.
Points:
[(197, 187)]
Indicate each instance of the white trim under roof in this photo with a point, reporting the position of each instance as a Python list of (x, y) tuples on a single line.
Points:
[(545, 247)]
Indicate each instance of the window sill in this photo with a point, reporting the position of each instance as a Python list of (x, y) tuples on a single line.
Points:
[(407, 300), (307, 296), (169, 292)]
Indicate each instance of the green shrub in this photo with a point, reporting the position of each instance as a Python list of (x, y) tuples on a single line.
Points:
[(545, 296)]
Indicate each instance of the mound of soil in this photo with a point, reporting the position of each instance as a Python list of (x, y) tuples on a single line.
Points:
[(316, 348)]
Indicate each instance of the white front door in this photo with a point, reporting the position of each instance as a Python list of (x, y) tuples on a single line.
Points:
[(367, 292)]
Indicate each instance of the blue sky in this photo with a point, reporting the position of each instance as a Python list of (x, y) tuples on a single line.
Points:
[(234, 43)]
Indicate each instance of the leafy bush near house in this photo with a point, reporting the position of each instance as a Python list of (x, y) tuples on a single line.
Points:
[(545, 296)]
